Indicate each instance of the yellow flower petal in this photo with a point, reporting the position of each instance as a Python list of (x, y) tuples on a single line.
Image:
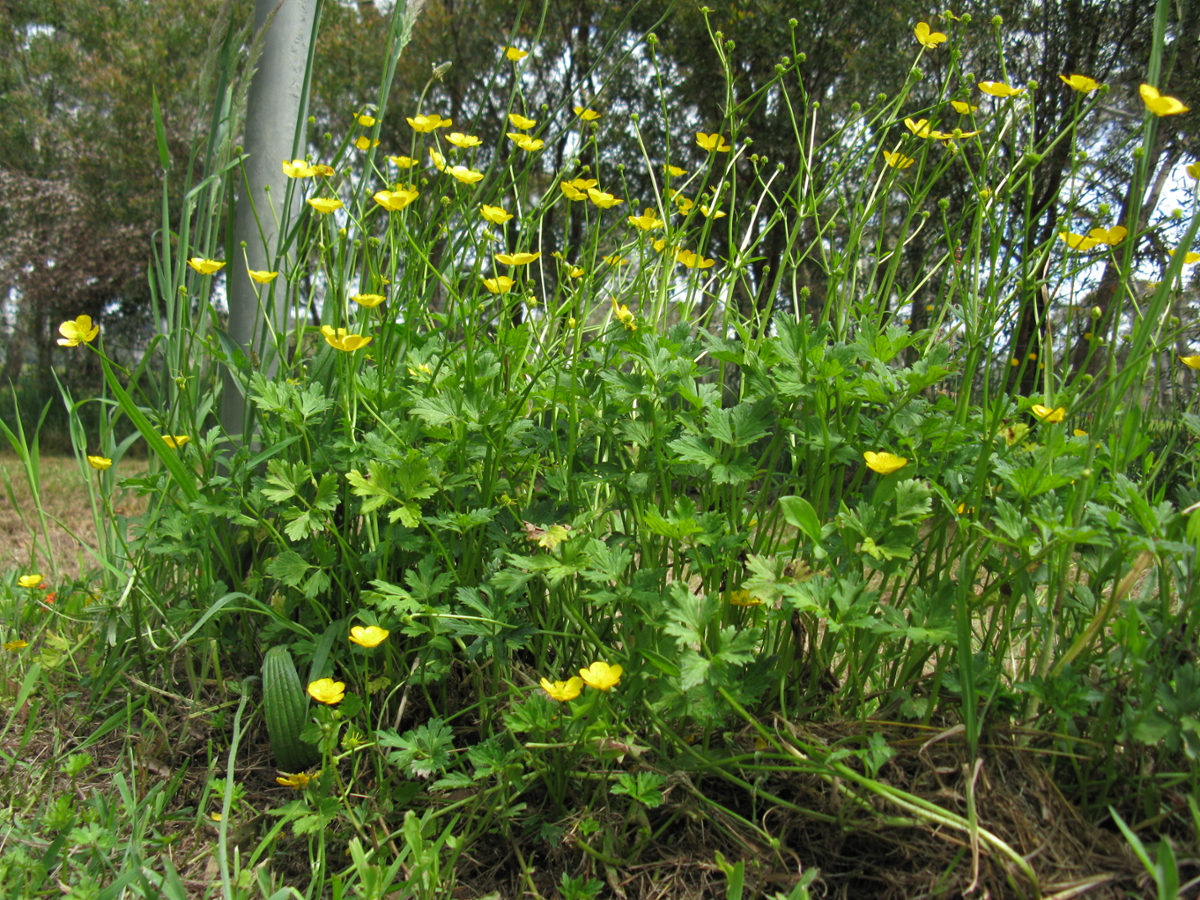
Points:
[(297, 168), (588, 115), (515, 54), (525, 142), (884, 463), (396, 200), (601, 676), (31, 581), (897, 160), (363, 142), (928, 38), (79, 331), (370, 301), (465, 175), (1080, 83), (495, 214), (426, 124), (1046, 414), (403, 162), (175, 441), (602, 199), (520, 121), (100, 463), (326, 690), (458, 139), (262, 276), (368, 635), (205, 266), (501, 284), (1192, 362), (562, 691), (713, 143), (647, 221), (999, 89), (325, 205), (1159, 104), (517, 259)]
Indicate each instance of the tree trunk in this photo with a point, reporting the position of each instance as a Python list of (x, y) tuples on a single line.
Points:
[(276, 103)]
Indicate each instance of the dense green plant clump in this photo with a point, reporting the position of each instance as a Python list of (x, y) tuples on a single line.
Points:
[(560, 502)]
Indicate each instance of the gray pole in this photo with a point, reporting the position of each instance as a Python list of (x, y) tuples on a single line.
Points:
[(276, 102)]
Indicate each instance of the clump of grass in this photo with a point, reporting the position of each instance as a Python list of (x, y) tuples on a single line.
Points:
[(567, 514)]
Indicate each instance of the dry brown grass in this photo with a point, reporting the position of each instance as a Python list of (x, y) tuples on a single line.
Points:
[(70, 530)]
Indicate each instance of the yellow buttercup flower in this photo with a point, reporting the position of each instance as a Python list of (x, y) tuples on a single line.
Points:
[(295, 782), (884, 463), (562, 691), (465, 175), (1189, 258), (928, 38), (963, 109), (514, 54), (713, 143), (398, 199), (496, 214), (1193, 169), (601, 676), (439, 161), (1159, 104), (175, 441), (897, 160), (575, 272), (577, 188), (366, 121), (624, 316), (31, 581), (693, 260), (79, 331), (999, 89), (525, 142), (1080, 83), (370, 301), (403, 162), (742, 598), (325, 205), (615, 260), (683, 203), (517, 259), (339, 339), (501, 284), (328, 691), (1192, 362), (205, 266), (362, 142), (13, 646), (297, 168), (676, 172), (426, 124), (519, 121), (602, 199), (368, 635), (1077, 241), (1079, 432), (99, 463), (1046, 414), (647, 221), (262, 276), (588, 115), (919, 127), (458, 139), (712, 212), (322, 171)]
